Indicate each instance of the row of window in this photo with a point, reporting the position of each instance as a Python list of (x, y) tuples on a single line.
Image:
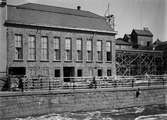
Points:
[(80, 72), (44, 49)]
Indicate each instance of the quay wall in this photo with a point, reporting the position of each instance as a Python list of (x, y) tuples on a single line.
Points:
[(18, 104)]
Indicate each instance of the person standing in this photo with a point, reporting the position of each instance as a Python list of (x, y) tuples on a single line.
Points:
[(94, 82), (20, 86)]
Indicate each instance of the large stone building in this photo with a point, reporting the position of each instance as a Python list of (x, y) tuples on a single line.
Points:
[(52, 41)]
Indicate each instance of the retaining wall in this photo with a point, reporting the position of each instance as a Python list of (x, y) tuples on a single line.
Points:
[(19, 104)]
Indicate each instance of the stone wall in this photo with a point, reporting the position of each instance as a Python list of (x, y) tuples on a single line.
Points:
[(36, 103)]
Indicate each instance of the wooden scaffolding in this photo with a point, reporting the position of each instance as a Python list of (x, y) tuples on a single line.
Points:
[(139, 62)]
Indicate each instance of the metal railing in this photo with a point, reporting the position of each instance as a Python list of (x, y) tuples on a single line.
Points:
[(54, 83)]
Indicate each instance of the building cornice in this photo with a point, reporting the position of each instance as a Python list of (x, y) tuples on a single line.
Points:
[(62, 27)]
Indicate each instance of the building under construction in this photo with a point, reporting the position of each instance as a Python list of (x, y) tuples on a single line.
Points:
[(139, 62), (135, 55)]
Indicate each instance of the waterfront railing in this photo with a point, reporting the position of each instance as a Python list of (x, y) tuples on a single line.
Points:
[(54, 83)]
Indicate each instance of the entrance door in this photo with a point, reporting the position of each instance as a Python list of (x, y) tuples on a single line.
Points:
[(17, 70), (68, 72)]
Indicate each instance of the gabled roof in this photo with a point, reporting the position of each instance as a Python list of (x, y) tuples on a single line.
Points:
[(43, 15), (143, 32), (128, 36), (162, 43), (120, 41)]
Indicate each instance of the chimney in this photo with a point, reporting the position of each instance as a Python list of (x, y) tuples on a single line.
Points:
[(2, 3), (78, 7), (146, 29)]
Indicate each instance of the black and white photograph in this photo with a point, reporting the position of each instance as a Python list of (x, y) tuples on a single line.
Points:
[(83, 59)]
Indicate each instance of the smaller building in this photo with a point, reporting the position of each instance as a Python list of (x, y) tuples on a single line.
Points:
[(122, 44), (127, 38), (159, 45), (142, 39)]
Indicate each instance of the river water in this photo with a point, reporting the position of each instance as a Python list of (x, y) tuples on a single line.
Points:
[(154, 112)]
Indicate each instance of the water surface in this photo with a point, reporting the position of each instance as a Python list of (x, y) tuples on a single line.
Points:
[(154, 112)]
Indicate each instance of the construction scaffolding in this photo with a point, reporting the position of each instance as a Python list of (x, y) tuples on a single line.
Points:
[(139, 62)]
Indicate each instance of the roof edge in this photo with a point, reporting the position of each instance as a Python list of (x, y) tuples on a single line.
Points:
[(66, 28), (23, 6), (134, 30), (137, 50)]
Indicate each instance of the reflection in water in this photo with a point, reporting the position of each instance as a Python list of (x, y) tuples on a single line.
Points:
[(136, 113), (153, 117)]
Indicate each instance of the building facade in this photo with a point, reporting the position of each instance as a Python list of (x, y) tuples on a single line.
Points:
[(57, 42)]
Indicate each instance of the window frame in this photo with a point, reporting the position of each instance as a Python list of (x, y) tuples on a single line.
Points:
[(99, 50), (89, 51), (57, 75), (109, 71), (68, 49), (99, 71), (79, 72), (18, 46), (44, 49), (31, 47), (79, 49), (109, 52), (57, 54)]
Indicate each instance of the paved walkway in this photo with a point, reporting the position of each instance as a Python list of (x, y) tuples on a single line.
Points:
[(35, 92)]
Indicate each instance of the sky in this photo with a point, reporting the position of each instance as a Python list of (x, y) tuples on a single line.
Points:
[(129, 14)]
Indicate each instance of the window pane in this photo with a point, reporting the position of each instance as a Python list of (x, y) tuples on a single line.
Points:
[(108, 46), (99, 72), (89, 50), (56, 43), (31, 47), (79, 73), (99, 55), (57, 73), (99, 45), (89, 45), (44, 48), (68, 49), (18, 47), (18, 41), (109, 72), (68, 44), (57, 54), (99, 50), (108, 51), (79, 44), (109, 56), (89, 55), (68, 55), (79, 55)]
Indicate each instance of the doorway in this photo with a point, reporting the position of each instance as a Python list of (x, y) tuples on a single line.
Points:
[(17, 70), (68, 73)]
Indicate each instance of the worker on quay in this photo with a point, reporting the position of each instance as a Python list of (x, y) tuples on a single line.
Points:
[(20, 86), (138, 92), (94, 82)]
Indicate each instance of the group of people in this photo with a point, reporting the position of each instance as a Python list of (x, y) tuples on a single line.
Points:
[(13, 83)]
